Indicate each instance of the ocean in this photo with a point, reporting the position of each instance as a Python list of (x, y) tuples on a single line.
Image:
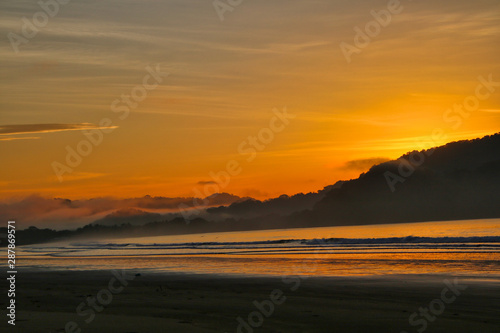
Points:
[(465, 247)]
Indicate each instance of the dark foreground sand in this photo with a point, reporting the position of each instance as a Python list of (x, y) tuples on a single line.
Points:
[(46, 301)]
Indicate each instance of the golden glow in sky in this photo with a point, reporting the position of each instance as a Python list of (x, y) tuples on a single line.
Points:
[(224, 80)]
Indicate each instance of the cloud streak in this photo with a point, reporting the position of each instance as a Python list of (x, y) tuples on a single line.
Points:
[(364, 164), (45, 128), (21, 138), (8, 130), (206, 182)]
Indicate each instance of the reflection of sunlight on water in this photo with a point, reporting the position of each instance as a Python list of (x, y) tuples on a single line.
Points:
[(482, 264), (233, 253)]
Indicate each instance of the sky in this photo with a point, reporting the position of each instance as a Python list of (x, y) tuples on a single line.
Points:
[(270, 70)]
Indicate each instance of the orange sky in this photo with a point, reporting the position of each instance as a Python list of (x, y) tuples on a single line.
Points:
[(225, 79)]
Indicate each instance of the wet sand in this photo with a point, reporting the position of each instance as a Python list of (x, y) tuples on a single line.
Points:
[(48, 301)]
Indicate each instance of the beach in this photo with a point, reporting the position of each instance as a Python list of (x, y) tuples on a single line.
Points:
[(160, 302), (297, 280)]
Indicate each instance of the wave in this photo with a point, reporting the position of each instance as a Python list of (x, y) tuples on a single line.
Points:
[(408, 240)]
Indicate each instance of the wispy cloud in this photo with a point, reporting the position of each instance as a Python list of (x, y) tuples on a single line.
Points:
[(82, 175), (206, 182), (364, 164), (45, 128), (8, 130), (20, 138)]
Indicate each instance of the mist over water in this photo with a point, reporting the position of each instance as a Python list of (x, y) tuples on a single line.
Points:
[(464, 247)]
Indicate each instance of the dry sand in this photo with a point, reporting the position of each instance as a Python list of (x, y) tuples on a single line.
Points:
[(46, 301)]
